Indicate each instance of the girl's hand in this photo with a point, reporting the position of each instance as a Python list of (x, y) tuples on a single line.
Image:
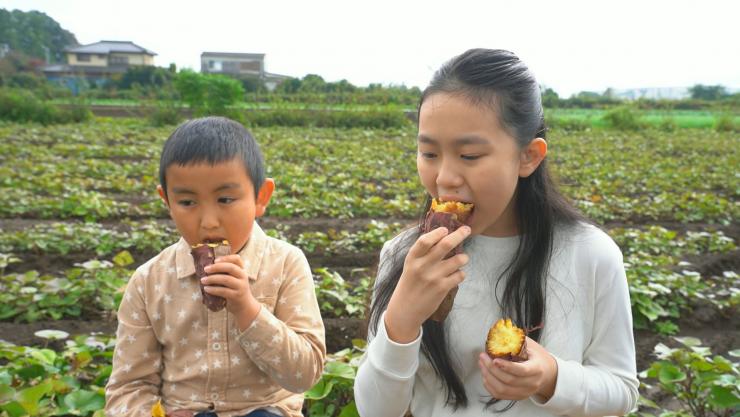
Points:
[(424, 282), (506, 380), (228, 279)]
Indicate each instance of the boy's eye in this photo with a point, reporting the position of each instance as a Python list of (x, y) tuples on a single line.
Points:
[(226, 200), (470, 157), (186, 203), (428, 155)]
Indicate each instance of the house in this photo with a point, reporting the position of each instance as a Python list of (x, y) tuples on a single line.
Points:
[(98, 62), (239, 65)]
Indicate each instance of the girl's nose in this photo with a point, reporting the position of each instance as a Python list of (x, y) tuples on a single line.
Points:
[(448, 177)]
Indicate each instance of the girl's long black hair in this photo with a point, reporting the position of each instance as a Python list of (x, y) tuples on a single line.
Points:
[(499, 80)]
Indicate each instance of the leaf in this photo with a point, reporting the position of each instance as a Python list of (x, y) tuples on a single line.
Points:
[(29, 398), (46, 356), (723, 397), (84, 401), (339, 369), (52, 334), (349, 410), (669, 373), (123, 258), (320, 390), (688, 341)]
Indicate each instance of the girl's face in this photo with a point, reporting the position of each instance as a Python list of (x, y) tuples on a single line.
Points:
[(464, 154)]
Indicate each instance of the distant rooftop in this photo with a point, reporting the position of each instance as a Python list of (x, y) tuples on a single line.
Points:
[(106, 47)]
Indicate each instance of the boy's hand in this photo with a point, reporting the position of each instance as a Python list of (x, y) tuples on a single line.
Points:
[(506, 380), (425, 281), (228, 279)]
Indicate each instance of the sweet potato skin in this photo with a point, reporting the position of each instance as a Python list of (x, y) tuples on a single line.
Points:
[(204, 255)]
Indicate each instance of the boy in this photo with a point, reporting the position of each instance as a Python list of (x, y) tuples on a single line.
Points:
[(252, 358)]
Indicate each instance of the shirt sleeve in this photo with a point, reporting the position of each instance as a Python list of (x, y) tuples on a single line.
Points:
[(133, 386), (386, 374), (289, 345), (606, 382)]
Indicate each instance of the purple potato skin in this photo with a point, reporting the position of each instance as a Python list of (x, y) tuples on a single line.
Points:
[(432, 221), (203, 256)]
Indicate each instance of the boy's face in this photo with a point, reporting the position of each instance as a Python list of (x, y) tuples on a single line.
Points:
[(214, 202)]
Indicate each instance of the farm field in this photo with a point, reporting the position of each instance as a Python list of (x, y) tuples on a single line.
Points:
[(79, 212)]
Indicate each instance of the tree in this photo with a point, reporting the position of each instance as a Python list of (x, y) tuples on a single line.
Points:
[(208, 94), (35, 34), (707, 92)]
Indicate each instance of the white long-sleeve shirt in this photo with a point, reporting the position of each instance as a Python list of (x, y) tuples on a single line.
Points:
[(587, 328)]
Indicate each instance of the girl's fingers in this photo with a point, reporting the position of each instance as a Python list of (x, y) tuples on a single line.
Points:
[(449, 242), (448, 266), (426, 242)]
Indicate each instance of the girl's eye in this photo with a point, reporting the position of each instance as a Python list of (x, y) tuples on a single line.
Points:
[(186, 203), (226, 200), (428, 155), (470, 157)]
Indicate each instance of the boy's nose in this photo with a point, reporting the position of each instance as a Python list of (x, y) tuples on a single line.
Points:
[(209, 220)]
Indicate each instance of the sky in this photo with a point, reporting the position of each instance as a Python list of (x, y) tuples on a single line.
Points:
[(570, 46)]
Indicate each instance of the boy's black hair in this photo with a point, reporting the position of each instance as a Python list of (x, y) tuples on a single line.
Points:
[(212, 140), (498, 80)]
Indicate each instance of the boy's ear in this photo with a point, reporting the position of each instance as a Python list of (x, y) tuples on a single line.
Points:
[(263, 196), (163, 196), (532, 156)]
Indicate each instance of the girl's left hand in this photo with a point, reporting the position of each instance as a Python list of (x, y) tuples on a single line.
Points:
[(506, 380)]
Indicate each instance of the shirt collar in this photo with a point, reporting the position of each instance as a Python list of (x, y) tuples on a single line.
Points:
[(251, 254)]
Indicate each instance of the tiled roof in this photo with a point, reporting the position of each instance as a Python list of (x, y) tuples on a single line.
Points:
[(106, 47)]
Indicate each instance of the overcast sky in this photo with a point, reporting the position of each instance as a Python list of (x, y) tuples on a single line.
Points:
[(570, 45)]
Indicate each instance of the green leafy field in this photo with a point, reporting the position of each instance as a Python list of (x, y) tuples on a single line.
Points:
[(79, 211)]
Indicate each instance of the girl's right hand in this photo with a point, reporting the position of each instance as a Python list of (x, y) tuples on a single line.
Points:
[(424, 282)]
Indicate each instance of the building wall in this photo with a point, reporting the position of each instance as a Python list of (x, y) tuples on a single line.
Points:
[(94, 60), (232, 65), (130, 59)]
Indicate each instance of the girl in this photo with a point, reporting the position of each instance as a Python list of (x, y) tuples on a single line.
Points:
[(528, 255)]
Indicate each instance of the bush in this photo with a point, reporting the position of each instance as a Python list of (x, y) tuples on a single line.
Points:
[(623, 118), (23, 106), (725, 123)]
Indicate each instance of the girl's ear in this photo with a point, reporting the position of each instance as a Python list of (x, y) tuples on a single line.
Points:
[(163, 196), (531, 156), (263, 196)]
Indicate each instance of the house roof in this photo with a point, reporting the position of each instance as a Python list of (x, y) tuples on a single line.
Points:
[(231, 55), (106, 47)]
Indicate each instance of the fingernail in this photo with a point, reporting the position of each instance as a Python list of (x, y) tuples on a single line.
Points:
[(466, 230), (203, 280)]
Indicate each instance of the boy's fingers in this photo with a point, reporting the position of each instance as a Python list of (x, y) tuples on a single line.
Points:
[(224, 268), (233, 259), (223, 280)]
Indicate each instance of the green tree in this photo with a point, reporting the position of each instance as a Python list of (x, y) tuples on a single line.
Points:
[(35, 34), (707, 92), (208, 94)]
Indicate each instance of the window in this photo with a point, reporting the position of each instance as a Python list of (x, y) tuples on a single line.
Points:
[(118, 60), (83, 57)]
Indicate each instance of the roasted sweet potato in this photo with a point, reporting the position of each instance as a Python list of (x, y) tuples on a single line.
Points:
[(204, 254), (452, 215), (506, 341)]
